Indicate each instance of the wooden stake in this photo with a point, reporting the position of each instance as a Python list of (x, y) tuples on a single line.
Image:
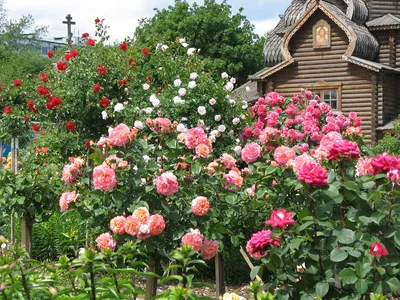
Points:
[(249, 263), (219, 275), (151, 282), (26, 233), (14, 169)]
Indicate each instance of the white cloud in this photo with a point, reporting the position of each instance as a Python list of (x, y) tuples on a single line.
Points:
[(262, 26)]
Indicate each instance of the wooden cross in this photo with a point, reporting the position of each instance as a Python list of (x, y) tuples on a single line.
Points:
[(69, 33)]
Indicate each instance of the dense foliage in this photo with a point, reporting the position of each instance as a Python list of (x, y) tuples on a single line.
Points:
[(226, 39)]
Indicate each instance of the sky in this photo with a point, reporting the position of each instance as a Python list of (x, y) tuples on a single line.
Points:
[(123, 15)]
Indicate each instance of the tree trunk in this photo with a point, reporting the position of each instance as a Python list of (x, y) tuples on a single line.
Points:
[(26, 233), (219, 275), (14, 169), (151, 282)]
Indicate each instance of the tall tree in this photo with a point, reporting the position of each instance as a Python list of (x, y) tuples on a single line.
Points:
[(227, 39)]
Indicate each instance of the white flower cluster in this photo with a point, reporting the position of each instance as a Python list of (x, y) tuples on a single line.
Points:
[(154, 100)]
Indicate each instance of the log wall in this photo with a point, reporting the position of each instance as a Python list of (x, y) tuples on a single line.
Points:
[(378, 8), (384, 48), (312, 65)]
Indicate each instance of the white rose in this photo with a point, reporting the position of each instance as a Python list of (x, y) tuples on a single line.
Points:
[(118, 107), (193, 76), (221, 128), (238, 150), (182, 40), (200, 123), (212, 101), (153, 97), (146, 86), (233, 80), (217, 118), (135, 168), (235, 121), (185, 45), (156, 102), (180, 128), (201, 110), (245, 105), (110, 129), (184, 119), (232, 101), (182, 92), (215, 133), (104, 115), (237, 141), (146, 158), (164, 47), (192, 84), (177, 82), (224, 75), (177, 100), (126, 103), (229, 86), (138, 124), (126, 89), (191, 51), (158, 45), (231, 132), (148, 110), (242, 117), (248, 89), (212, 138)]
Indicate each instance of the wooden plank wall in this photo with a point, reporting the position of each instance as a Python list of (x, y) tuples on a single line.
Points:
[(378, 8), (389, 99), (313, 65)]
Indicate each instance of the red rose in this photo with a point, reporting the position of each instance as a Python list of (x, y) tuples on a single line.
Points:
[(85, 35), (50, 54), (67, 56), (122, 82), (104, 102), (90, 42), (159, 91), (87, 144), (73, 53), (44, 77), (378, 250), (45, 150), (70, 126), (280, 218), (101, 69), (97, 20), (123, 46), (145, 51), (43, 91), (53, 102), (7, 110), (96, 88), (314, 174), (38, 150), (343, 149), (17, 82), (61, 66), (30, 104), (26, 118), (35, 127), (148, 78), (132, 62)]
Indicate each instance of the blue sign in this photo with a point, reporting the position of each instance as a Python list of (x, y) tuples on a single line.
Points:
[(6, 150)]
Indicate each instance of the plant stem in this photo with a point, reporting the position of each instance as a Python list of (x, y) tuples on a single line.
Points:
[(391, 208), (92, 283), (25, 284), (116, 282), (4, 295)]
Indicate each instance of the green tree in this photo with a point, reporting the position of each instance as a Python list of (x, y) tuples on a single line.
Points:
[(226, 38)]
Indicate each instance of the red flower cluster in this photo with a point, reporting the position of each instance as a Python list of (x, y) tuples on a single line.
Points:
[(17, 82), (43, 91), (132, 62), (96, 88), (344, 148), (91, 42), (71, 54), (43, 77), (101, 69), (384, 162), (31, 106), (104, 102), (123, 46), (97, 20), (42, 150), (8, 110), (53, 102), (260, 242), (85, 35), (145, 51), (50, 54), (70, 126), (123, 82), (35, 127), (61, 66)]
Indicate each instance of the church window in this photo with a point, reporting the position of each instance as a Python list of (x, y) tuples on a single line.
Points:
[(329, 96)]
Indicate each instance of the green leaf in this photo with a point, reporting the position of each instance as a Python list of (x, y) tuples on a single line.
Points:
[(170, 278), (254, 272), (394, 284), (305, 225), (346, 236), (397, 238), (235, 240), (352, 186), (338, 255), (321, 289), (348, 276), (333, 193), (361, 286)]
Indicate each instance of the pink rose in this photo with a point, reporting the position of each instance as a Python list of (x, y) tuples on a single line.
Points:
[(200, 206), (117, 225), (314, 174), (209, 249), (120, 135), (283, 155), (156, 224), (132, 225), (251, 152), (166, 184), (280, 218), (104, 178), (159, 125), (105, 241), (344, 148), (378, 250), (193, 238), (194, 137)]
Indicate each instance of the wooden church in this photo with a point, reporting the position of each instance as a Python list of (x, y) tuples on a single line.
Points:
[(346, 51)]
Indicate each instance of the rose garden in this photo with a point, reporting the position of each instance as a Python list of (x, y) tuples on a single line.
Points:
[(156, 170)]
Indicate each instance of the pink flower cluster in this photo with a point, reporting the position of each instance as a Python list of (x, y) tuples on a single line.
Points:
[(284, 155), (66, 198), (166, 184), (113, 162), (72, 171), (120, 135), (260, 242), (159, 125), (207, 249), (105, 241), (382, 163), (140, 224)]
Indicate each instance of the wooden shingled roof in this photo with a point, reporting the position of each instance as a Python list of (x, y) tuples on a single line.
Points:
[(363, 44), (386, 21)]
